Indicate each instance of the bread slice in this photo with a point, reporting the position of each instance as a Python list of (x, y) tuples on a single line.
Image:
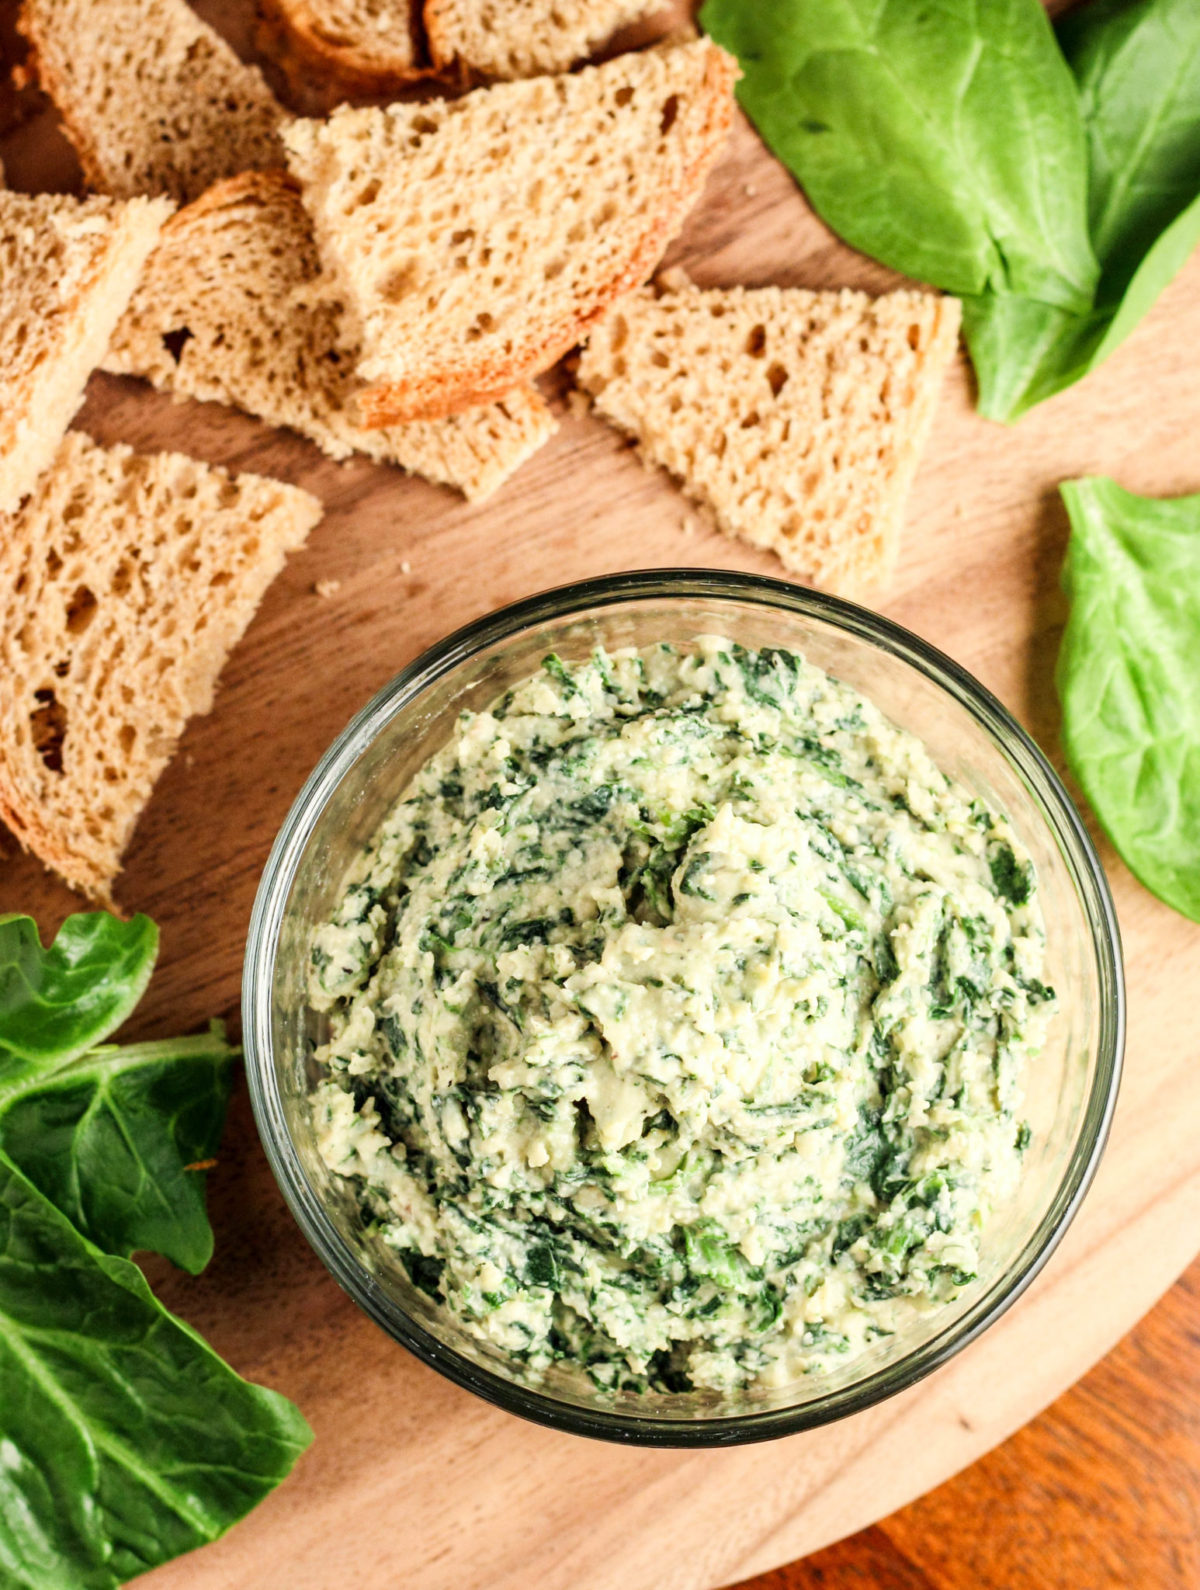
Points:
[(153, 100), (354, 48), (67, 269), (222, 314), (520, 38), (128, 579), (796, 417), (472, 242)]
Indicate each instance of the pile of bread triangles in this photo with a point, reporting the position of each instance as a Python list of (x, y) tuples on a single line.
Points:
[(388, 280)]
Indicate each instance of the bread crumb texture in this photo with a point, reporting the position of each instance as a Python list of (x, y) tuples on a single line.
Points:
[(67, 270), (226, 312), (128, 579), (797, 418), (472, 242), (519, 38), (153, 99)]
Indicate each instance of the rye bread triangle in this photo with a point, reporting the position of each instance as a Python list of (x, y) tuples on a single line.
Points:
[(345, 49), (130, 578), (334, 50), (797, 418), (472, 242), (152, 98), (224, 313)]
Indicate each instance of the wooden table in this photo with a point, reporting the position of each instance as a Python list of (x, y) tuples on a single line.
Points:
[(409, 1479)]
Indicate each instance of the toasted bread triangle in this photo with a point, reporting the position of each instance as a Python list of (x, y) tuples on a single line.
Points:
[(796, 417), (472, 242), (229, 280), (152, 98), (334, 50), (130, 578)]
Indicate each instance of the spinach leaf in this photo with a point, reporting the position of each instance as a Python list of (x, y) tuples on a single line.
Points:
[(126, 1439), (108, 1140), (1137, 63), (56, 1003), (107, 1133), (1127, 678), (943, 139)]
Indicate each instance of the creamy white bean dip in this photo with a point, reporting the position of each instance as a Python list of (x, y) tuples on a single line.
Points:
[(677, 1017)]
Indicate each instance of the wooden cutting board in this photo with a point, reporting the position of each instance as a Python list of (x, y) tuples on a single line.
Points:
[(411, 1481)]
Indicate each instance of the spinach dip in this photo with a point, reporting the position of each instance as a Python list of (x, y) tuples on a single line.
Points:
[(677, 1018)]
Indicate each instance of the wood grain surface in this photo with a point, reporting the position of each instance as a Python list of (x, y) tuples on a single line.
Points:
[(411, 1480)]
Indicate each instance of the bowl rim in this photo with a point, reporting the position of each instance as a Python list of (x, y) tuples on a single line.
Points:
[(560, 604)]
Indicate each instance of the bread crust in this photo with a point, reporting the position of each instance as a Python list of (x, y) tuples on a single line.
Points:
[(437, 394), (345, 70), (230, 190)]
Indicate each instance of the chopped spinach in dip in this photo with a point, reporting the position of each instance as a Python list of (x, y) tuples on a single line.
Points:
[(677, 1013)]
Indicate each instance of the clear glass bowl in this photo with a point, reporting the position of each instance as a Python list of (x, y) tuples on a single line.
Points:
[(1070, 1091)]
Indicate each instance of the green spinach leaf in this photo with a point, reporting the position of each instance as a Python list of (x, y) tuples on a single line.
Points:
[(107, 1133), (1127, 678), (56, 1003), (126, 1439), (1137, 63), (109, 1139), (943, 138)]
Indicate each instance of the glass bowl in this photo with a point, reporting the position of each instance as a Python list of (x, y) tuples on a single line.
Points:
[(1070, 1089)]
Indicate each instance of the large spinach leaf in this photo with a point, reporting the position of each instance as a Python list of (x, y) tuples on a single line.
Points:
[(942, 138), (1138, 67), (106, 1132), (1127, 678), (125, 1440)]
